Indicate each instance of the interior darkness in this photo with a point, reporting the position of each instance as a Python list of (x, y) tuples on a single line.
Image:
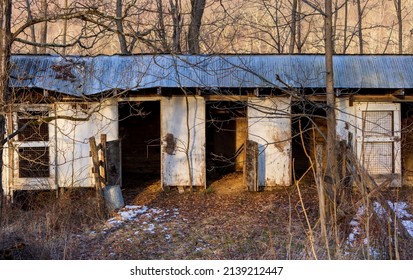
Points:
[(304, 118), (226, 131), (139, 130), (407, 142)]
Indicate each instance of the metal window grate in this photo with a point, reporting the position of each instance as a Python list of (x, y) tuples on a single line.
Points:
[(378, 157), (378, 123), (35, 130), (34, 162)]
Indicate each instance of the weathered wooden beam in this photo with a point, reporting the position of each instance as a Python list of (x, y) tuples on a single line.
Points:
[(382, 98), (95, 161), (220, 97), (102, 159)]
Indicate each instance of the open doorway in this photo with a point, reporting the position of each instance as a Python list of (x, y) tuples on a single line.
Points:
[(139, 131), (226, 132), (309, 128)]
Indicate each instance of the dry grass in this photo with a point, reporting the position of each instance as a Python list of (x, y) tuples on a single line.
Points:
[(224, 222)]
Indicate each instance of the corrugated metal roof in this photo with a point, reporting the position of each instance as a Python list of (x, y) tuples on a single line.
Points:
[(77, 75)]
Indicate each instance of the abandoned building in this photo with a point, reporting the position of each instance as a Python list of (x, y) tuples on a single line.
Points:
[(189, 119)]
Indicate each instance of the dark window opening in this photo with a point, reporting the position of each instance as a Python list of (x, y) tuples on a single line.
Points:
[(34, 162), (31, 127)]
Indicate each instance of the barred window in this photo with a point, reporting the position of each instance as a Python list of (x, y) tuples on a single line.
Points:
[(31, 126), (34, 162)]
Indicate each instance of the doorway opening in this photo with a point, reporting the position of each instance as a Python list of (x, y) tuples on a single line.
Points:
[(139, 131), (309, 129), (226, 132)]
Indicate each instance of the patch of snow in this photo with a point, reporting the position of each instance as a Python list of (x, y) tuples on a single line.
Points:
[(199, 249), (351, 237), (132, 207), (156, 211), (400, 209), (150, 228), (380, 211), (409, 226), (114, 222), (374, 253)]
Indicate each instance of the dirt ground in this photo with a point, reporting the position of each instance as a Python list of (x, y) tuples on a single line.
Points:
[(223, 222)]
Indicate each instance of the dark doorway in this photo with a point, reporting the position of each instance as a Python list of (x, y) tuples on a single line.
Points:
[(139, 131), (226, 132), (309, 129)]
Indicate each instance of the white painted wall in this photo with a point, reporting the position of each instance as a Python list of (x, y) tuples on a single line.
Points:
[(174, 167), (346, 120), (73, 161), (269, 124), (70, 164)]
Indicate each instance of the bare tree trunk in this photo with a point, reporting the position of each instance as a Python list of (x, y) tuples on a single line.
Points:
[(43, 32), (345, 26), (177, 25), (64, 42), (331, 168), (293, 26), (5, 46), (398, 6), (360, 26), (32, 30), (119, 27), (197, 11), (299, 41)]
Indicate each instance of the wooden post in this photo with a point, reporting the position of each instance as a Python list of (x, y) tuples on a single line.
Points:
[(102, 160), (95, 160), (94, 153), (251, 165)]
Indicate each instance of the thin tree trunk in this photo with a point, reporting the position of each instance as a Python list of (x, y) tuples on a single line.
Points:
[(345, 26), (398, 6), (64, 42), (5, 46), (32, 30), (299, 38), (197, 11), (360, 26), (331, 168), (161, 25), (177, 26), (293, 26), (119, 27), (43, 32)]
